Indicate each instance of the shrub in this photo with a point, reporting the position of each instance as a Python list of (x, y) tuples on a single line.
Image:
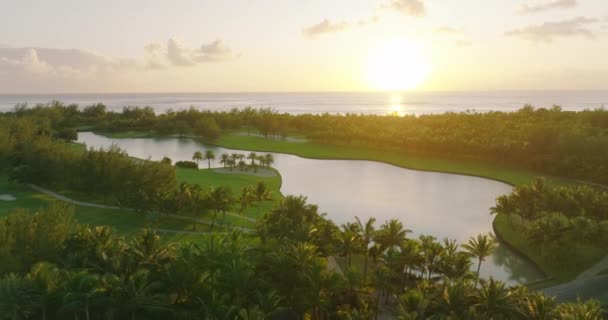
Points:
[(186, 164)]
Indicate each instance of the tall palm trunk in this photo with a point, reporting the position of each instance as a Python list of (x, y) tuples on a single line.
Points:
[(213, 219), (209, 163), (365, 268), (478, 268), (86, 311)]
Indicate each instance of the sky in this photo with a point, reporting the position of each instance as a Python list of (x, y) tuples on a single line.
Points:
[(73, 46)]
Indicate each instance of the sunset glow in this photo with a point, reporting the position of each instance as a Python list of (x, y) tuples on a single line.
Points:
[(397, 65)]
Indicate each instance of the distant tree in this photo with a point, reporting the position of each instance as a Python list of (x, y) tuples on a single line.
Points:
[(67, 134), (269, 159), (197, 156), (209, 155), (252, 156), (166, 160), (224, 159)]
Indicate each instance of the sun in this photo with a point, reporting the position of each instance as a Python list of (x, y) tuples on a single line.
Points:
[(397, 65)]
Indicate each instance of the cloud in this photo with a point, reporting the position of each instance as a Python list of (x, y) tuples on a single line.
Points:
[(463, 43), (547, 5), (448, 30), (57, 62), (548, 31), (181, 55), (413, 8), (49, 69), (326, 26)]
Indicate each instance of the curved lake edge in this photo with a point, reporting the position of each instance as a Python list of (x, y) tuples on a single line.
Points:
[(520, 254), (499, 237)]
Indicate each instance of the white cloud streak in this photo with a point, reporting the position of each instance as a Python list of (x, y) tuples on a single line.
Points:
[(549, 31)]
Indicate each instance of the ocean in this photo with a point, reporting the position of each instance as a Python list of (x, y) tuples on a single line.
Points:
[(330, 102)]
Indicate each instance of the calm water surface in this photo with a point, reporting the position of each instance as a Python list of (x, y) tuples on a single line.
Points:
[(331, 102), (439, 204)]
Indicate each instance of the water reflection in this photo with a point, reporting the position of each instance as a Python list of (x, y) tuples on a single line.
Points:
[(396, 108), (443, 205)]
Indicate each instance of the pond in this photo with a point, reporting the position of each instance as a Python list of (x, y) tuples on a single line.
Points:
[(438, 204)]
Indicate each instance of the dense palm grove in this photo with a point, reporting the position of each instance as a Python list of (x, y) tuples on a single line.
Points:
[(294, 264), (553, 141), (54, 268), (559, 220)]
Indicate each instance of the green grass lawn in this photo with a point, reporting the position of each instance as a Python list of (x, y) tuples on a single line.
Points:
[(129, 134), (579, 258), (236, 181), (124, 221), (316, 150)]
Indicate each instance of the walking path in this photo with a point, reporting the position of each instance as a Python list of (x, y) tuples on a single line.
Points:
[(175, 216), (594, 270), (589, 284)]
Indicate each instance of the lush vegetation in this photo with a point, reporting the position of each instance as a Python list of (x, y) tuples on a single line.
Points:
[(54, 268), (564, 228), (33, 153), (285, 267)]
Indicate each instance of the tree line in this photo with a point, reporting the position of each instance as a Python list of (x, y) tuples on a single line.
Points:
[(55, 268), (31, 154), (558, 220)]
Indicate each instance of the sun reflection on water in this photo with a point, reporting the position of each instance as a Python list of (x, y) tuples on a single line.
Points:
[(395, 106)]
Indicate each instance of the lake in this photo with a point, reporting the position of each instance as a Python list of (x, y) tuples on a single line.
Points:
[(439, 204)]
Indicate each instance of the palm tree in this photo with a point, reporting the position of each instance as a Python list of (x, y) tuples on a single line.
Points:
[(220, 200), (391, 234), (494, 301), (242, 165), (454, 301), (252, 156), (366, 234), (537, 306), (231, 163), (46, 279), (209, 155), (432, 252), (245, 200), (480, 248), (138, 292), (197, 156), (82, 290), (589, 310), (261, 160), (224, 159), (269, 159), (261, 193), (149, 252), (17, 295), (234, 157), (348, 241)]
